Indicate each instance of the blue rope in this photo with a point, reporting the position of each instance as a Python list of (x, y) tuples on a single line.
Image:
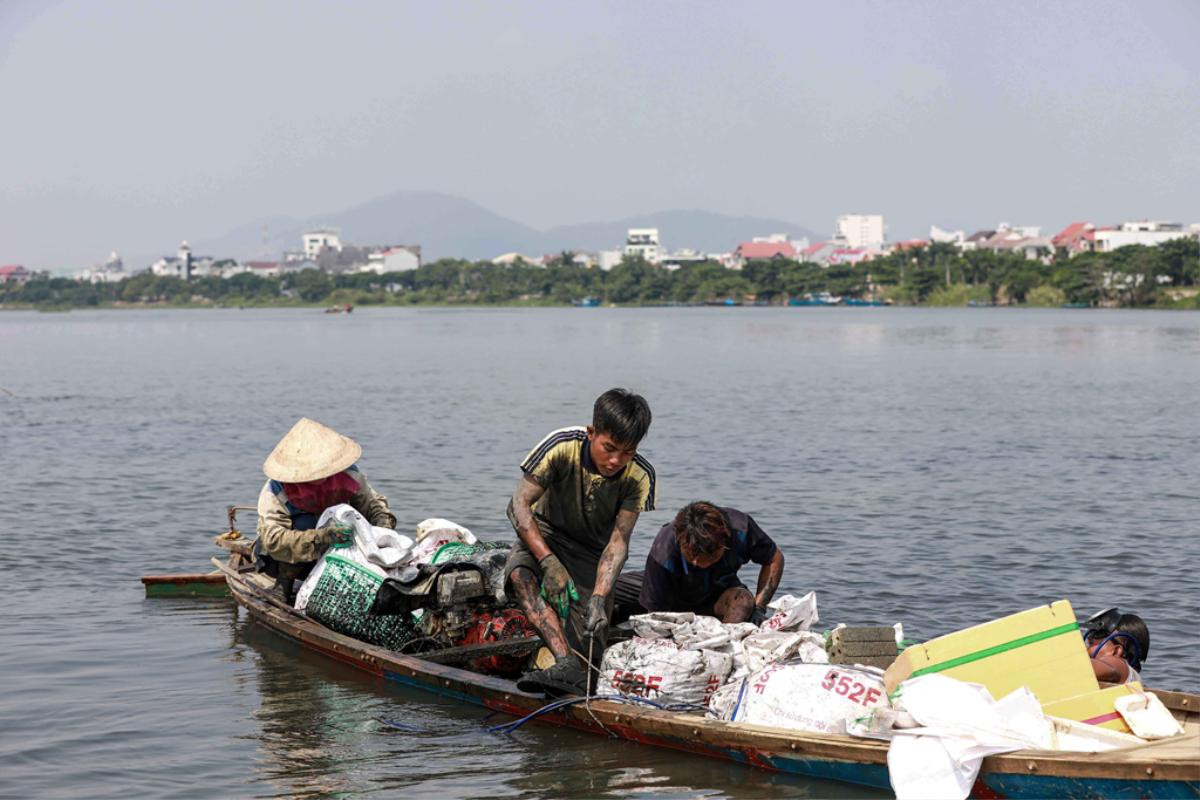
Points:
[(399, 726), (509, 727)]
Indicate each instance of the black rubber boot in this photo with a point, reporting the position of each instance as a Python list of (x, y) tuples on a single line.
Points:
[(285, 589), (565, 677)]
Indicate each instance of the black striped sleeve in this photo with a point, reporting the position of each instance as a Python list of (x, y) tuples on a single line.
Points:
[(555, 438), (652, 492)]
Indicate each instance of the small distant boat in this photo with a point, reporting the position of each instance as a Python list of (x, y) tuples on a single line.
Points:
[(815, 299), (1076, 305), (346, 309), (858, 301), (587, 302), (728, 301)]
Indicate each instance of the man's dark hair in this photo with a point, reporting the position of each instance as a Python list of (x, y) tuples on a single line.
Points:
[(702, 530), (621, 414), (1135, 626)]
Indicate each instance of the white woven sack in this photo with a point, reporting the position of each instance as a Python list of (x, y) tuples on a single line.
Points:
[(658, 670), (660, 624), (806, 697)]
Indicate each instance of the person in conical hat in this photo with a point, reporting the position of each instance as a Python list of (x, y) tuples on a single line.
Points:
[(312, 468)]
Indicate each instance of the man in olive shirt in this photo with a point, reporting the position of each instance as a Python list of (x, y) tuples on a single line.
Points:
[(574, 510)]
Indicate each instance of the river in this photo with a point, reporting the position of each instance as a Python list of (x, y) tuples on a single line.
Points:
[(936, 467)]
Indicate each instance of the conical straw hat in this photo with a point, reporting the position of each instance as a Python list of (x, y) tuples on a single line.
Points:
[(309, 452)]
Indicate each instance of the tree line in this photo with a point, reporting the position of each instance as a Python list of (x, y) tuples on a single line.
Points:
[(937, 274)]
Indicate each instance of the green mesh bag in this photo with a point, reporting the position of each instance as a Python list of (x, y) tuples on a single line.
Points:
[(458, 551), (341, 599)]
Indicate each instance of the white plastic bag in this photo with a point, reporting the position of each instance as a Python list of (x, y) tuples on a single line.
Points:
[(433, 534), (376, 549), (792, 613), (658, 670), (963, 725)]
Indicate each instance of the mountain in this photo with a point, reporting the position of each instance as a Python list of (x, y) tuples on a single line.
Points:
[(449, 226)]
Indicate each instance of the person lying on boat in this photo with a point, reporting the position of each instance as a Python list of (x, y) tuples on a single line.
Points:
[(574, 510), (312, 468), (693, 566), (1118, 644)]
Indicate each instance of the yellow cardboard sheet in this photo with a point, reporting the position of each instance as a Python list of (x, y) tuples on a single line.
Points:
[(1095, 708), (1040, 649)]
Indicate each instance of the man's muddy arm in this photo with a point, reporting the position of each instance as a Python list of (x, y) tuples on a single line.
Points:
[(615, 553), (768, 579), (527, 493)]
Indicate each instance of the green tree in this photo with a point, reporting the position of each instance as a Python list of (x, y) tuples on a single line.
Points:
[(311, 285)]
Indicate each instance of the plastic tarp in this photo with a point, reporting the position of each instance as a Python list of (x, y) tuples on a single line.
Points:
[(961, 724)]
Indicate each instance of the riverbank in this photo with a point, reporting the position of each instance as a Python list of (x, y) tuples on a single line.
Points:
[(1167, 276), (1183, 303)]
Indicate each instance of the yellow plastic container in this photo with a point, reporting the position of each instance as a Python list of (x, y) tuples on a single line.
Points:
[(1040, 648), (1095, 708)]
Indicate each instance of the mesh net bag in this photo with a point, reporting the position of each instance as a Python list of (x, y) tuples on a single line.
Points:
[(341, 599), (461, 551)]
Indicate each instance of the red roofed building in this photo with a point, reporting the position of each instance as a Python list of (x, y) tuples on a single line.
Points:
[(751, 251), (1076, 238), (849, 255), (14, 273), (761, 251)]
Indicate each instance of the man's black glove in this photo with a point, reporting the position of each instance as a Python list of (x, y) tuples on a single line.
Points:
[(557, 586), (596, 623)]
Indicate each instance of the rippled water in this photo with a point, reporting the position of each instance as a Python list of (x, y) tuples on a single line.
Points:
[(935, 467)]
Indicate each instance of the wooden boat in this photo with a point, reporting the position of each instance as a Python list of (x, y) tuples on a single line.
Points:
[(1170, 768)]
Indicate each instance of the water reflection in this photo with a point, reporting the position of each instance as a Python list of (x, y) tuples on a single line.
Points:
[(319, 734)]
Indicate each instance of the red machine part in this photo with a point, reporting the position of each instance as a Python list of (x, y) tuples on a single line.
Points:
[(493, 627)]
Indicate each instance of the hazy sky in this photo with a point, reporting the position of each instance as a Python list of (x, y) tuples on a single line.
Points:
[(136, 124)]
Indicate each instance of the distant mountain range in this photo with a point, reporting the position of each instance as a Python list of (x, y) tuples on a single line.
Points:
[(449, 226)]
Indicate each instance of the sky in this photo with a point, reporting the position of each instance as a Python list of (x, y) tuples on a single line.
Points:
[(130, 125)]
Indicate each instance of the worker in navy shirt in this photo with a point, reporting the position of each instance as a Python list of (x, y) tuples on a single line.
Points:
[(694, 561)]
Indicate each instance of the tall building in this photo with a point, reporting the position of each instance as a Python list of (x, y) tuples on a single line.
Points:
[(862, 230), (643, 242), (318, 240)]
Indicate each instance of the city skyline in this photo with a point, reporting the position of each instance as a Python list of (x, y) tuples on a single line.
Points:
[(142, 123)]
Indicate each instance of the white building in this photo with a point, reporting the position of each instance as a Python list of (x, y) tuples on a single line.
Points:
[(683, 256), (607, 259), (183, 264), (782, 238), (862, 230), (643, 242), (263, 269), (1146, 232), (110, 271), (956, 238), (1019, 231), (317, 240), (394, 259)]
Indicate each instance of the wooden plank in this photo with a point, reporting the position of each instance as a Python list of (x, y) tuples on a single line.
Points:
[(196, 577), (205, 584)]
